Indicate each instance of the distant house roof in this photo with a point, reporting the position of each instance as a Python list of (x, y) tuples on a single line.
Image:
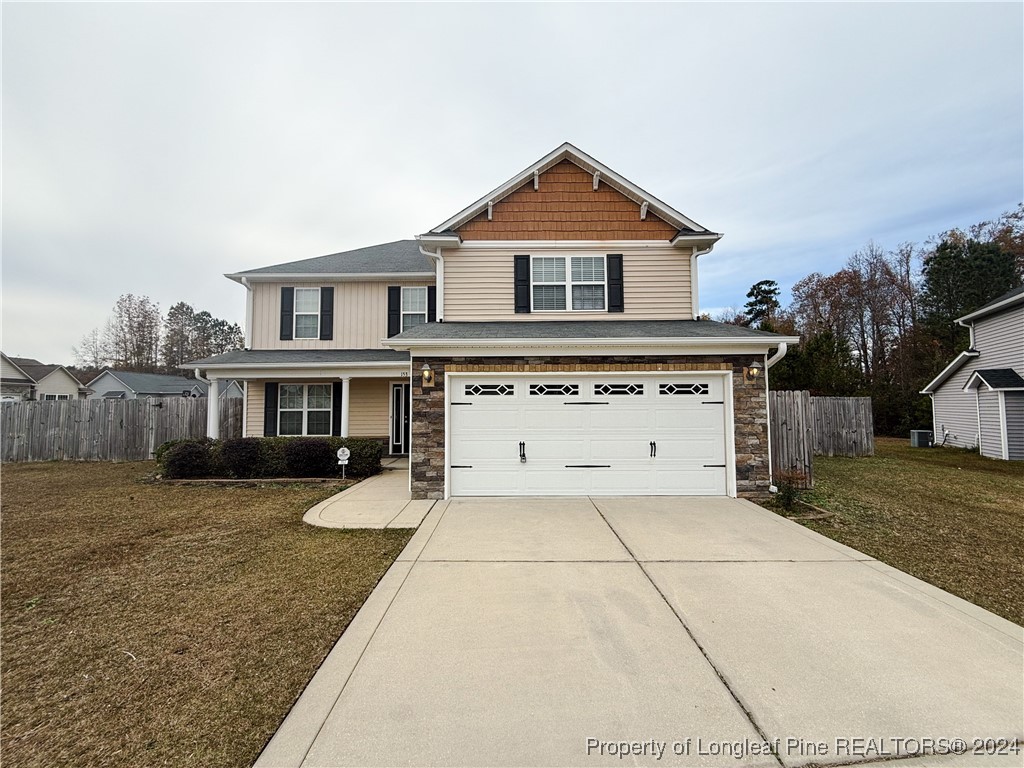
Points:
[(398, 257), (38, 371), (996, 378), (152, 383), (114, 394), (1009, 299)]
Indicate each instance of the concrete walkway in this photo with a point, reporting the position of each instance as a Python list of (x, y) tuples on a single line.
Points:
[(381, 501), (551, 631)]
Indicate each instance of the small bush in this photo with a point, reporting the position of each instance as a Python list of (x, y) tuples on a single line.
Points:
[(365, 458), (159, 453), (789, 483), (309, 457), (246, 457), (188, 459)]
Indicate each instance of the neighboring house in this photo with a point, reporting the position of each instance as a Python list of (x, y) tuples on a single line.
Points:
[(978, 399), (542, 341), (125, 385), (23, 378)]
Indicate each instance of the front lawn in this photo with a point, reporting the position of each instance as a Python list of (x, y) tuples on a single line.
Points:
[(149, 625), (945, 515)]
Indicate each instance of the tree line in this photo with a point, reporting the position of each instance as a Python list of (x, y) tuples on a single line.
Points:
[(885, 324), (136, 337)]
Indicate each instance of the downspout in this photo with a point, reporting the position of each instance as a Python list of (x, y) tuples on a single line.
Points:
[(694, 291), (779, 354), (438, 260), (248, 312)]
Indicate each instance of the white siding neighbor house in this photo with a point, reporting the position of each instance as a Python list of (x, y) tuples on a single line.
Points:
[(23, 378), (978, 399)]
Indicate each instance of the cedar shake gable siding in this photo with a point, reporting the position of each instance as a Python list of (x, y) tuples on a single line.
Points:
[(566, 207)]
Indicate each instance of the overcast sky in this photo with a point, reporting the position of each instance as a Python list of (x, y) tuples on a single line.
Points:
[(151, 148)]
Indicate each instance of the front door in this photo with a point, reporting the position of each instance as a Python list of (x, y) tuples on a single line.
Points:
[(400, 408)]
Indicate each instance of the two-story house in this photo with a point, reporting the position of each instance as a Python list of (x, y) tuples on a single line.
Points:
[(978, 399), (545, 340)]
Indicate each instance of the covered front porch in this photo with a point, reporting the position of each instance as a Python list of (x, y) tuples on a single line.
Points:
[(344, 393)]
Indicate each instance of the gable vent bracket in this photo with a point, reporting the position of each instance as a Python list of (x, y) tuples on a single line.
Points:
[(536, 180), (597, 179), (643, 211), (490, 210)]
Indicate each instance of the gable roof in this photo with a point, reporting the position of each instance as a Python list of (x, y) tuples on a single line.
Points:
[(995, 378), (401, 257), (932, 386), (151, 383), (1009, 299), (18, 368), (38, 371), (687, 227)]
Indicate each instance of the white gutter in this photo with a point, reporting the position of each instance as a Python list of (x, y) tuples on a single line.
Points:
[(200, 378), (705, 341), (779, 354), (320, 277), (438, 260), (694, 291)]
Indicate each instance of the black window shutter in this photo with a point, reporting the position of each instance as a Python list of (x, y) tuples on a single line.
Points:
[(394, 310), (326, 314), (431, 304), (522, 284), (336, 408), (615, 292), (287, 312), (270, 410)]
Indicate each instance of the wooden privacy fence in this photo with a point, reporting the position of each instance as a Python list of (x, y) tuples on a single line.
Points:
[(106, 430), (802, 427)]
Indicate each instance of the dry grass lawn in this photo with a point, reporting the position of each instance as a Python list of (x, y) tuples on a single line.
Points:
[(155, 625), (952, 518)]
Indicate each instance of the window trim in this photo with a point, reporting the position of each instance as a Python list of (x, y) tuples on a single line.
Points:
[(569, 282), (305, 409), (401, 305), (57, 397), (296, 313)]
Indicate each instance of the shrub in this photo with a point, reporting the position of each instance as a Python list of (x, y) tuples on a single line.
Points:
[(790, 482), (365, 458), (188, 459), (163, 448), (309, 457), (246, 457)]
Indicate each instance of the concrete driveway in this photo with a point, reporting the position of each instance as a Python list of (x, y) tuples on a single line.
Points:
[(653, 631)]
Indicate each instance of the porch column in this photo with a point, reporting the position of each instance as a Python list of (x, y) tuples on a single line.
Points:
[(346, 386), (213, 409)]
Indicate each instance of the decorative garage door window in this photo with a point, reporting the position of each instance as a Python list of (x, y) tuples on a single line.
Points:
[(490, 389), (683, 389), (554, 389), (618, 389)]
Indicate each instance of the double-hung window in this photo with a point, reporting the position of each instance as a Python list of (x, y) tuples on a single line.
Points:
[(579, 285), (307, 313), (56, 397), (304, 409), (414, 306)]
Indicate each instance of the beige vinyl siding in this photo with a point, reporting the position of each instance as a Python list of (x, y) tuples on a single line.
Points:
[(369, 414), (360, 315), (479, 284), (57, 383), (991, 425), (1000, 339), (368, 404), (9, 371), (1015, 425), (957, 410)]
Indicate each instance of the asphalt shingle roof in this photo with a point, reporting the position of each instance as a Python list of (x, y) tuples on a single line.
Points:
[(401, 256), (584, 329), (155, 383), (282, 356), (1001, 378), (33, 368)]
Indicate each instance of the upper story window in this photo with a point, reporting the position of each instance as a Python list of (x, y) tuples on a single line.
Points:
[(414, 306), (56, 397), (579, 285), (307, 313)]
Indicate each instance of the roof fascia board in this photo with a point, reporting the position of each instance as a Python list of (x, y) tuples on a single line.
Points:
[(268, 277), (948, 371), (527, 350), (568, 152), (702, 343), (976, 377), (308, 371), (980, 313), (609, 246)]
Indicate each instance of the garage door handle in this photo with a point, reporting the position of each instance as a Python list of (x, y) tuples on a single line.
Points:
[(713, 402), (522, 452), (714, 465), (654, 449)]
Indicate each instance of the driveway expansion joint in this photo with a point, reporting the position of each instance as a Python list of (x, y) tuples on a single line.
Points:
[(714, 667)]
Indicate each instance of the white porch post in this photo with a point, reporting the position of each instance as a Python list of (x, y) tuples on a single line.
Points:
[(213, 409), (346, 386)]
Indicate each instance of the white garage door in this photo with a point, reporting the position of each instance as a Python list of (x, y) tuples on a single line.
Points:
[(588, 435)]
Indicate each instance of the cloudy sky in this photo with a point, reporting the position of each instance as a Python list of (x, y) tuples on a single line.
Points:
[(151, 148)]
